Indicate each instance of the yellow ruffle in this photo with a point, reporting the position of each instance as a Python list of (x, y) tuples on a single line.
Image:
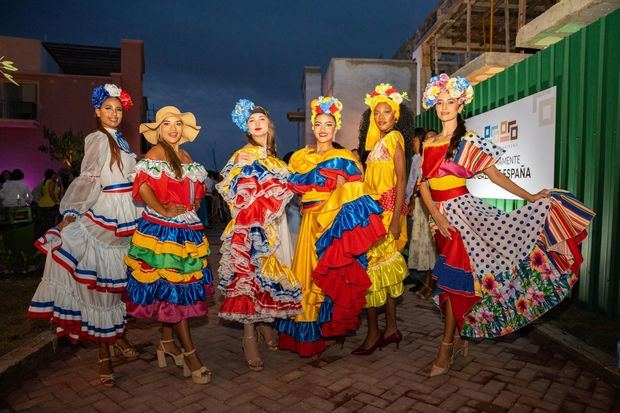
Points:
[(380, 173), (386, 269), (155, 274), (304, 262), (326, 213), (306, 159), (168, 247), (386, 218)]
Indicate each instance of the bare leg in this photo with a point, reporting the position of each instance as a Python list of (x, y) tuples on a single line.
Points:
[(167, 334), (105, 365), (250, 348), (182, 330), (445, 351), (373, 328), (390, 317)]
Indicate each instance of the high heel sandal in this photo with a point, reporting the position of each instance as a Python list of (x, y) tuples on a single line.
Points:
[(128, 352), (360, 351), (161, 355), (202, 375), (395, 337), (438, 370), (265, 331), (254, 364), (107, 379), (463, 349)]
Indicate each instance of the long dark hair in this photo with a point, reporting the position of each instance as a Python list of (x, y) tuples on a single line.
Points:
[(114, 149), (455, 140), (270, 145), (172, 157), (404, 125)]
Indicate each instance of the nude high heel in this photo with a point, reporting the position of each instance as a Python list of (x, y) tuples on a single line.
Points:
[(202, 375), (161, 355), (438, 370)]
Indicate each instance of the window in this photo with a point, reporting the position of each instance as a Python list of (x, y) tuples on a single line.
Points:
[(18, 102)]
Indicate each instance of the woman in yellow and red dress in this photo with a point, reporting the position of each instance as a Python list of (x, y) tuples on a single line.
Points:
[(339, 224), (496, 271), (383, 127)]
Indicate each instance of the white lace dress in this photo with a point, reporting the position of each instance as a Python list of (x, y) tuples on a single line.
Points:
[(84, 269)]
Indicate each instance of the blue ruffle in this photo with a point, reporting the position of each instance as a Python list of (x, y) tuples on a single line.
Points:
[(451, 278), (315, 177), (307, 331), (164, 233), (164, 291), (352, 214), (255, 169)]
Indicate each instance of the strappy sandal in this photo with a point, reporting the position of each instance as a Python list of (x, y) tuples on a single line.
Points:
[(255, 364), (266, 332), (107, 379), (161, 355), (460, 347), (438, 370), (202, 375), (128, 352)]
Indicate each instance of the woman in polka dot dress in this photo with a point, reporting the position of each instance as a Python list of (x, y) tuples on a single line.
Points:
[(496, 271)]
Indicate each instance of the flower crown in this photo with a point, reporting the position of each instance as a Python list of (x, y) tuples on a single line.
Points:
[(241, 113), (101, 93), (328, 105), (458, 87), (387, 90)]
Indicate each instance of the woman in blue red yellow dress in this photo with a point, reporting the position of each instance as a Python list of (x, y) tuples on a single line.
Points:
[(255, 277), (385, 127), (168, 276), (84, 276), (496, 271), (339, 224)]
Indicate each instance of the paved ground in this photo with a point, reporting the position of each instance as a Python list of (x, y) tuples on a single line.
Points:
[(514, 375)]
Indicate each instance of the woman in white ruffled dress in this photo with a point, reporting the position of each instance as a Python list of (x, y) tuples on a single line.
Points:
[(84, 269)]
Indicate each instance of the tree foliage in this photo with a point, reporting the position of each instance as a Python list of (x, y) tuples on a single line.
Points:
[(67, 148)]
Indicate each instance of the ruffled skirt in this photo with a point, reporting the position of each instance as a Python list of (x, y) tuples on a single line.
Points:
[(502, 270), (168, 276), (84, 271)]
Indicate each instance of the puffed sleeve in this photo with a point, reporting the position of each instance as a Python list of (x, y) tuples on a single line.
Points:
[(476, 154), (392, 140), (83, 192)]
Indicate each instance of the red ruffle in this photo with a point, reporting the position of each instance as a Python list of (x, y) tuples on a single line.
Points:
[(343, 279), (72, 329), (303, 349), (258, 304), (168, 190), (258, 201)]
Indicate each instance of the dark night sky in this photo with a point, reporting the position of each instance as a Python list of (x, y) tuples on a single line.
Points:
[(203, 55)]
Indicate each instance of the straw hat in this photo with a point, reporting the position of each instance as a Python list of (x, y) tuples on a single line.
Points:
[(190, 129)]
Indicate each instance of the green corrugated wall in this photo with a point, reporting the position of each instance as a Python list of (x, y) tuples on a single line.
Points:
[(585, 67)]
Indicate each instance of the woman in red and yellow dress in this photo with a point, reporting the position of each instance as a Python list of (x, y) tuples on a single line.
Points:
[(496, 271), (339, 224), (169, 279), (385, 180)]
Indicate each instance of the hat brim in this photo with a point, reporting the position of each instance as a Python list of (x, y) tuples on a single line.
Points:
[(189, 133)]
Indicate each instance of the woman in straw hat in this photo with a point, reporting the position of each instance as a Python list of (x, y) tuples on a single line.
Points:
[(339, 224), (84, 270), (386, 133), (255, 278), (169, 279)]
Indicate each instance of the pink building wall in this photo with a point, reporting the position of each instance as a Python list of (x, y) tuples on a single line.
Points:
[(63, 103)]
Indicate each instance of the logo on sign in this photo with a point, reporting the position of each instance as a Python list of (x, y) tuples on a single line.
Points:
[(505, 131)]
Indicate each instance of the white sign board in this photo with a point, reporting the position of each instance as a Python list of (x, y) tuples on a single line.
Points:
[(526, 130)]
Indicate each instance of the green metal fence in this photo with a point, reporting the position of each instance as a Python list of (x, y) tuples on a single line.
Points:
[(585, 68)]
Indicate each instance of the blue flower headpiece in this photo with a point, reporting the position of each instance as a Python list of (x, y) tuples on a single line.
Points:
[(241, 113), (103, 92)]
